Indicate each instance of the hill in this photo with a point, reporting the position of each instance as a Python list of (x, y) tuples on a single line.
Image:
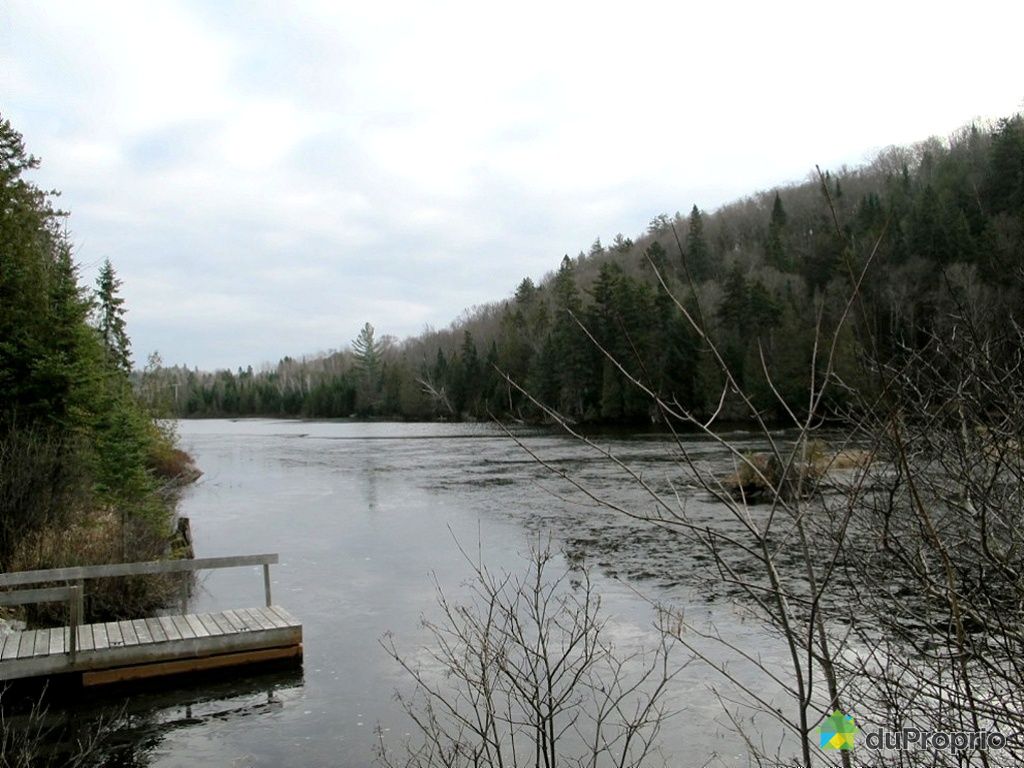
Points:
[(918, 231)]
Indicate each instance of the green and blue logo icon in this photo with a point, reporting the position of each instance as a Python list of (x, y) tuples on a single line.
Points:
[(837, 732)]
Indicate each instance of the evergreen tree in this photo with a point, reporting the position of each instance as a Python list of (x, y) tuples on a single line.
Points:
[(439, 371), (110, 320), (569, 345), (732, 312), (466, 392), (762, 308), (526, 292), (73, 437), (656, 257), (603, 322), (1004, 188), (367, 354), (44, 354), (775, 252), (698, 256), (675, 354), (621, 244)]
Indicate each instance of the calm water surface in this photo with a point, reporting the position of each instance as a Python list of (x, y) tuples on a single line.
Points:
[(365, 517)]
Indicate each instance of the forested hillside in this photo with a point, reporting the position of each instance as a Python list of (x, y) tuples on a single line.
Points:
[(938, 225), (86, 474)]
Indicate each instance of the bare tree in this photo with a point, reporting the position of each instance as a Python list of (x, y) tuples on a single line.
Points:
[(524, 675), (890, 564), (30, 737)]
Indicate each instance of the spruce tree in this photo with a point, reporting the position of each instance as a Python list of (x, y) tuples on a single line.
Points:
[(655, 257), (733, 311), (466, 392), (698, 255), (110, 319), (775, 253), (570, 347)]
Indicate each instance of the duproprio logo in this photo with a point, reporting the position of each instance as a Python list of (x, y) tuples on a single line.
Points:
[(837, 732)]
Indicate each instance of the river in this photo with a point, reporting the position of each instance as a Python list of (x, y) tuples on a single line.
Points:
[(367, 517)]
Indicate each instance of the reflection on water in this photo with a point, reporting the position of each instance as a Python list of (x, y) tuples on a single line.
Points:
[(130, 726), (143, 720), (367, 518)]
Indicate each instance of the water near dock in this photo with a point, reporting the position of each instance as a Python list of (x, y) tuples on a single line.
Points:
[(365, 518)]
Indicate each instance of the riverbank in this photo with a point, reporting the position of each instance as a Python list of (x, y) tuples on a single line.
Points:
[(97, 532)]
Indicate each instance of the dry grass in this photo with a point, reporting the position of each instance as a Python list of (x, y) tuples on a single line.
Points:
[(102, 537), (749, 479), (175, 465)]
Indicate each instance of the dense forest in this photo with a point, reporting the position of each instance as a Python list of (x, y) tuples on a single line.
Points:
[(938, 225), (87, 475)]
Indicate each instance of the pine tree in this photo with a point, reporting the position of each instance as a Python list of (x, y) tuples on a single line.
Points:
[(367, 354), (763, 310), (110, 319), (733, 311), (526, 292), (775, 253), (603, 322), (1004, 188), (698, 256), (621, 244), (466, 393), (45, 349), (570, 347)]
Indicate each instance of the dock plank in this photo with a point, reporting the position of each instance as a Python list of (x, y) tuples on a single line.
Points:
[(272, 617), (13, 645), (250, 621), (211, 626), (27, 644), (197, 625), (142, 631), (128, 633), (291, 620), (183, 627), (42, 643), (57, 640), (225, 626), (99, 637), (236, 623), (85, 637), (258, 619), (172, 631), (156, 630), (114, 639), (269, 617)]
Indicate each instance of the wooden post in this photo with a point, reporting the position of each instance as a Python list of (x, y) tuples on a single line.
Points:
[(266, 582), (74, 618), (81, 600)]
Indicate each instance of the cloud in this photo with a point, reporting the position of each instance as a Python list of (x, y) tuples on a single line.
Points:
[(267, 178)]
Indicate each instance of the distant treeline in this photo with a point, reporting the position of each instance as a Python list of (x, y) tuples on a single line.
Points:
[(942, 223)]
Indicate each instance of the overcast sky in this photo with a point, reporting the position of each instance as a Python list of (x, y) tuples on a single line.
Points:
[(267, 176)]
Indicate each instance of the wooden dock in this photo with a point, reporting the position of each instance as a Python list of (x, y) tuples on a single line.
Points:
[(116, 651)]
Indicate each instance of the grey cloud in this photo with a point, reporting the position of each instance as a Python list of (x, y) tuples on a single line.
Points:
[(318, 165)]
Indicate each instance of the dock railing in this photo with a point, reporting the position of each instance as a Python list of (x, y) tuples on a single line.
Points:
[(74, 591)]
